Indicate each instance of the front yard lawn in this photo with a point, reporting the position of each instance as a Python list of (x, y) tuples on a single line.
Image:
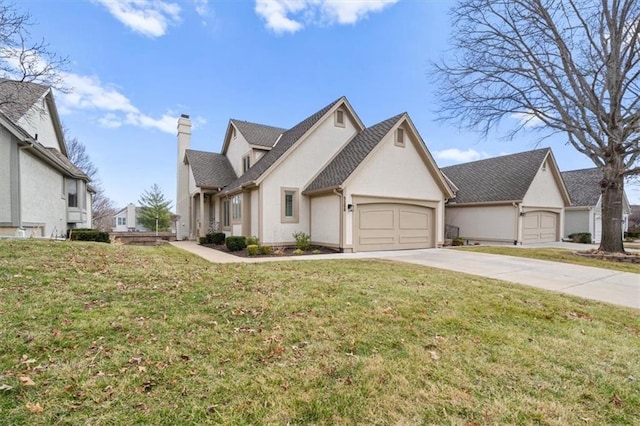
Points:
[(103, 334), (556, 255)]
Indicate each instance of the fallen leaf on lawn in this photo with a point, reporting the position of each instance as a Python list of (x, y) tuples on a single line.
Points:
[(26, 381), (4, 387), (34, 408), (142, 368), (617, 401), (434, 355)]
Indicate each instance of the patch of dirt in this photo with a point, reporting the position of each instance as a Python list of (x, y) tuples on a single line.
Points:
[(275, 251), (613, 257)]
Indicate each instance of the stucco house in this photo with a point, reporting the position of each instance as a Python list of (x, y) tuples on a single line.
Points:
[(517, 199), (585, 213), (42, 194), (350, 187), (126, 220)]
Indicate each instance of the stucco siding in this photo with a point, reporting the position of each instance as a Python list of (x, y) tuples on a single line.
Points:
[(42, 200), (490, 223), (577, 221), (544, 191), (302, 164), (5, 176), (238, 148), (397, 172), (325, 220), (37, 121)]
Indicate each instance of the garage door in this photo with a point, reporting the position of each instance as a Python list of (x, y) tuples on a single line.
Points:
[(393, 227), (540, 227)]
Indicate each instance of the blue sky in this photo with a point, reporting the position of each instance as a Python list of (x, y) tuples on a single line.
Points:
[(136, 65)]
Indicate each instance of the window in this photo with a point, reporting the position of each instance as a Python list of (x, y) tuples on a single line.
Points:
[(233, 132), (72, 193), (339, 118), (246, 163), (236, 203), (225, 213), (400, 137), (122, 221), (289, 205)]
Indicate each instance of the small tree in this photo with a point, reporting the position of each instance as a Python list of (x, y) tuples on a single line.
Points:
[(154, 206)]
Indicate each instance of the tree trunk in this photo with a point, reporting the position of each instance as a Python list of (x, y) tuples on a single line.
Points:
[(612, 185)]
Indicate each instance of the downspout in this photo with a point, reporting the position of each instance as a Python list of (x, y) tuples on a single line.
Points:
[(339, 193), (517, 228)]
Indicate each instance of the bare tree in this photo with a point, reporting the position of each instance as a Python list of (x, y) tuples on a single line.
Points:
[(102, 207), (24, 60), (558, 66)]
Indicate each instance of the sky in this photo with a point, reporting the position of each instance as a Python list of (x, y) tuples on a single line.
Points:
[(136, 65)]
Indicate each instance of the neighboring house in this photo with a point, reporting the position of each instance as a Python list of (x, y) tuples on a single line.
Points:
[(42, 193), (585, 212), (517, 199), (350, 187), (126, 220)]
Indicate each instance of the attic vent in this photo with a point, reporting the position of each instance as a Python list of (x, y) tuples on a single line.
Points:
[(400, 137), (544, 166), (339, 118)]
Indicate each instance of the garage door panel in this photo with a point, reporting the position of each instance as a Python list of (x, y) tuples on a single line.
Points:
[(389, 226), (377, 219), (413, 220), (540, 227)]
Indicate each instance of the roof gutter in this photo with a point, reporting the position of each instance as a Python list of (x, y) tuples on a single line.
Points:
[(483, 203), (332, 188)]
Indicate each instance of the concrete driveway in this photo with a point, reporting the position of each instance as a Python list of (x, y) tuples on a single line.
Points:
[(619, 288)]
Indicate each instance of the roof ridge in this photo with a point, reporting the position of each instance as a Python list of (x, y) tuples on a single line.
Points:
[(237, 120)]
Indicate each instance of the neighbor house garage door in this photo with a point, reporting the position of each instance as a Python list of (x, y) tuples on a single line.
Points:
[(393, 227), (540, 227)]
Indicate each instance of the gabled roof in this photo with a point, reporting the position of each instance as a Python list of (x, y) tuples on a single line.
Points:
[(258, 134), (505, 178), (286, 141), (348, 159), (19, 97), (583, 186), (210, 170)]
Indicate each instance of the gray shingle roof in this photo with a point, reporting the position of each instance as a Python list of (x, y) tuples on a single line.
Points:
[(69, 167), (583, 186), (505, 178), (210, 169), (286, 141), (343, 164), (16, 97), (258, 134)]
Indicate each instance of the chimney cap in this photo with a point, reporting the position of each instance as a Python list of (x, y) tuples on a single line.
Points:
[(184, 115)]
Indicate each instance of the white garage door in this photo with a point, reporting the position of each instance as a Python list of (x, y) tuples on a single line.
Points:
[(540, 227), (393, 227)]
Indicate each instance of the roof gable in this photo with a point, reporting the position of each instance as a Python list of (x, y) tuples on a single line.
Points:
[(353, 153), (288, 139), (583, 186), (505, 178), (259, 135), (19, 97), (210, 170)]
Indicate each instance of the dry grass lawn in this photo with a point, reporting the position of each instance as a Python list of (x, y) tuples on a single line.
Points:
[(102, 335)]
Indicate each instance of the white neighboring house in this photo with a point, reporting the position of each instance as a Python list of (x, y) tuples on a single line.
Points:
[(350, 187), (517, 199), (585, 213), (42, 194), (126, 220)]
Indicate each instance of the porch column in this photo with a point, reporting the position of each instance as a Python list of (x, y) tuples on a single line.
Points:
[(203, 228)]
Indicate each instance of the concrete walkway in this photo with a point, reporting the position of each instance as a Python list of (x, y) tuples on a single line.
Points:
[(620, 288)]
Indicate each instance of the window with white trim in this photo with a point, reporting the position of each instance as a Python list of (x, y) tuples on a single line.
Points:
[(122, 221), (236, 208), (225, 213), (289, 205), (72, 193), (246, 163)]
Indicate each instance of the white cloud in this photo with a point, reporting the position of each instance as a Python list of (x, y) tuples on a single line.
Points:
[(290, 16), (456, 155), (90, 94), (148, 17), (202, 7), (527, 119)]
